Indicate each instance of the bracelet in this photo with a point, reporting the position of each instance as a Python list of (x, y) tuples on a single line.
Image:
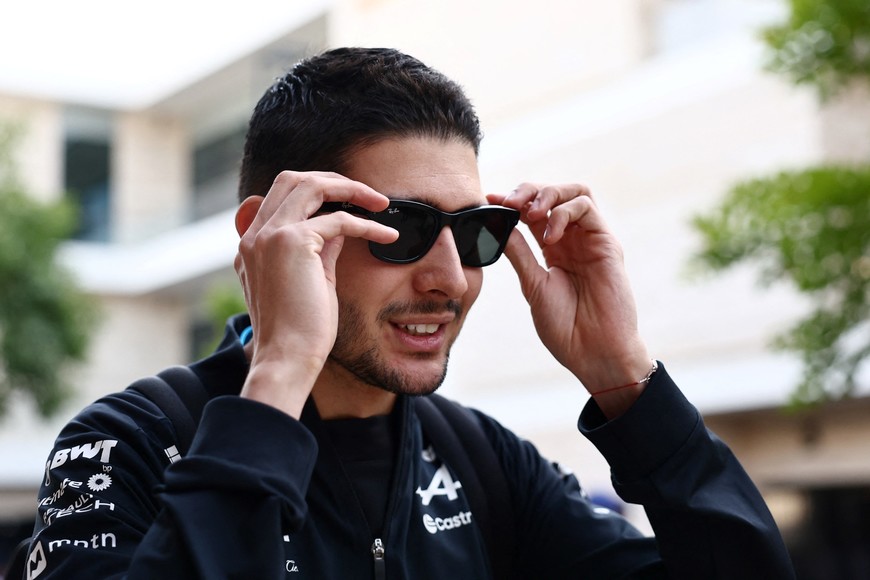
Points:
[(646, 379)]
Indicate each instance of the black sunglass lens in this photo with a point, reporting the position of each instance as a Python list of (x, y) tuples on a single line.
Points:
[(481, 236), (415, 229)]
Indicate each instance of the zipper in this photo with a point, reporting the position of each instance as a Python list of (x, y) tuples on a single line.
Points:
[(401, 473), (378, 553)]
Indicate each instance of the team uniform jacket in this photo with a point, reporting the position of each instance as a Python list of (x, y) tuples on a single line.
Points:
[(263, 496)]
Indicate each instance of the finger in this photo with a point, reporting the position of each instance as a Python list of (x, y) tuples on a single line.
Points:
[(580, 212), (525, 264), (541, 199), (515, 201), (296, 196), (521, 197), (329, 255), (495, 198), (336, 224), (277, 241)]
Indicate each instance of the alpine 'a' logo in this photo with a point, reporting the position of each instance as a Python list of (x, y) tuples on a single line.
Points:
[(442, 484)]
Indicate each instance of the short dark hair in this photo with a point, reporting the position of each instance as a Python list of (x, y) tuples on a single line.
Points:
[(328, 105)]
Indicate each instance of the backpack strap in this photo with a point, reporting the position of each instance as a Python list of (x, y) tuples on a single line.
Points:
[(18, 561), (181, 396), (458, 438)]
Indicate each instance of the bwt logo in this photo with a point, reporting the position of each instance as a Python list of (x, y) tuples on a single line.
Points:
[(435, 525), (88, 451)]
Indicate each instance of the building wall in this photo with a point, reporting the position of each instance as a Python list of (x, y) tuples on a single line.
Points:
[(800, 449), (845, 123), (39, 152), (793, 454), (511, 56), (151, 175)]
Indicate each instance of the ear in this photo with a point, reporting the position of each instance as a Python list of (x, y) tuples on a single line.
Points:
[(247, 212)]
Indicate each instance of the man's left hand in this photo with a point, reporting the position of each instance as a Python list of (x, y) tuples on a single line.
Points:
[(581, 302)]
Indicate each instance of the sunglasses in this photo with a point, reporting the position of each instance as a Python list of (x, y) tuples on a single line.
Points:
[(480, 233)]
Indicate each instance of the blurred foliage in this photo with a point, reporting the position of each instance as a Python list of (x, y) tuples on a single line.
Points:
[(44, 320), (221, 302), (824, 43), (811, 227)]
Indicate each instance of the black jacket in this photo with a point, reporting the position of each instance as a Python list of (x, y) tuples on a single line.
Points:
[(261, 495)]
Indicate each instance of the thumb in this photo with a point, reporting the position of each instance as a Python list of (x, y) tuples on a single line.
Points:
[(530, 273), (329, 255)]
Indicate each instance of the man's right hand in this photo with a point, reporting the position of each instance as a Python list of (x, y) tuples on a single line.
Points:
[(286, 265)]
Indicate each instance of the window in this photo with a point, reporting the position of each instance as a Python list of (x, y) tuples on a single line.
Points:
[(216, 172), (87, 170)]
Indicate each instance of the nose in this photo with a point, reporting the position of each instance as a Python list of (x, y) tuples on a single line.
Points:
[(440, 270)]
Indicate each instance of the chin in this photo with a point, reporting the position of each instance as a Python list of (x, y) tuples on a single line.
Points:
[(414, 381), (415, 377), (419, 390)]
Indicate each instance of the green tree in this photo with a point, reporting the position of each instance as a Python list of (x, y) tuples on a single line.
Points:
[(221, 302), (44, 319), (812, 226), (823, 43)]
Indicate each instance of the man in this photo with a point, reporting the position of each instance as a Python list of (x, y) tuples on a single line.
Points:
[(359, 267)]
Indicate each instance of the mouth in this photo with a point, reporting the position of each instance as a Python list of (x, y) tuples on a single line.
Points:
[(420, 329), (421, 336)]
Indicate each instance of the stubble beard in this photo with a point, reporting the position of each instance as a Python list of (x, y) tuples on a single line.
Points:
[(358, 354)]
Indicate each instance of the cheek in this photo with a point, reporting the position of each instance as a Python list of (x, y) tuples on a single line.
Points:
[(353, 262), (360, 275), (474, 278)]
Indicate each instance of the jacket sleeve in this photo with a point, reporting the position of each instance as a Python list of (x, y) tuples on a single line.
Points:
[(708, 517), (111, 508), (560, 533)]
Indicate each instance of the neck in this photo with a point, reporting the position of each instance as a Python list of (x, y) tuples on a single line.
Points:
[(339, 395)]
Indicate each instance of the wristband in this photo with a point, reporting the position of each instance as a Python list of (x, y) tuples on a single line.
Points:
[(646, 379)]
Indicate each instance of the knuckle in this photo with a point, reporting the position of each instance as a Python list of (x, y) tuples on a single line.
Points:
[(246, 246), (264, 241), (286, 178)]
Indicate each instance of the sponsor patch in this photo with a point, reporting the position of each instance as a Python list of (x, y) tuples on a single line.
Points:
[(82, 504), (36, 563), (442, 484), (103, 449), (435, 525)]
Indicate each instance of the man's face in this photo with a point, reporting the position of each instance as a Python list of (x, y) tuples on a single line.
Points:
[(397, 322)]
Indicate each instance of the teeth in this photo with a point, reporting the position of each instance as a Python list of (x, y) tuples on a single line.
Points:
[(420, 328)]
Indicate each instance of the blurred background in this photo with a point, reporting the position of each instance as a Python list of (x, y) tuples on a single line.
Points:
[(727, 142)]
